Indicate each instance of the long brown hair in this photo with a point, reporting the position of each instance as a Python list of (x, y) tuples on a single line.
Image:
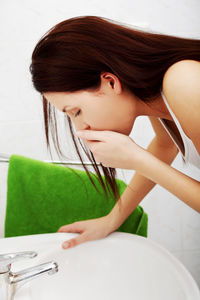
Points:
[(72, 54)]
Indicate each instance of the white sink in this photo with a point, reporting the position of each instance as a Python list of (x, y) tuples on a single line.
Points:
[(120, 266)]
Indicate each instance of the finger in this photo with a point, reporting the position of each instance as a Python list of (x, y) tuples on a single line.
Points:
[(92, 145), (74, 242), (74, 227), (92, 135)]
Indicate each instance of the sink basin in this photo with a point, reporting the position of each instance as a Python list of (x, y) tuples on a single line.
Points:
[(120, 266)]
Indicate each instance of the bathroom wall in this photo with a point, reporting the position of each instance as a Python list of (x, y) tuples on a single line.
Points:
[(172, 223)]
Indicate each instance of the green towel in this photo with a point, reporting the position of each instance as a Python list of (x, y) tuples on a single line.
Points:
[(42, 197)]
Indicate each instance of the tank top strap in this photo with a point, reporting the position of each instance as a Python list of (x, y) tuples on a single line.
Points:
[(173, 116), (191, 155), (183, 136)]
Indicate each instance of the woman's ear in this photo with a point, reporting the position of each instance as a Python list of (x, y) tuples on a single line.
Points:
[(113, 81)]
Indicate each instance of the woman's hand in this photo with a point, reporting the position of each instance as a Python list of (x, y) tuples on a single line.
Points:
[(112, 149), (89, 230)]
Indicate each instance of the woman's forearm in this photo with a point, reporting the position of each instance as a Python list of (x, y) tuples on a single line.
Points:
[(184, 187), (139, 186)]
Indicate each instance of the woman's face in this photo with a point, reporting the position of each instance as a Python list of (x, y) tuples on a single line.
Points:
[(108, 109)]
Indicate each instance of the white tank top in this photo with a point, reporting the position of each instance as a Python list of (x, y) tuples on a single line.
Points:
[(191, 155)]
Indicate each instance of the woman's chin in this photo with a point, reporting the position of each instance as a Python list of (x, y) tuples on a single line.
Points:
[(126, 131)]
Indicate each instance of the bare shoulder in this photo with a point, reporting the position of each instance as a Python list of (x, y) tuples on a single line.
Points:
[(180, 80), (181, 87), (181, 77)]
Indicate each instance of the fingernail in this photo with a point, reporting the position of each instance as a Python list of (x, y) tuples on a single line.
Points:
[(65, 245)]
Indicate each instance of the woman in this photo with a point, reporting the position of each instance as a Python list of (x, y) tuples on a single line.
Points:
[(103, 75)]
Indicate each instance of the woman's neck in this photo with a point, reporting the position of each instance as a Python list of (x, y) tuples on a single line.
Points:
[(157, 109)]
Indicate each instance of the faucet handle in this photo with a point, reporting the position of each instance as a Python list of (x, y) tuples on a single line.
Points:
[(8, 258)]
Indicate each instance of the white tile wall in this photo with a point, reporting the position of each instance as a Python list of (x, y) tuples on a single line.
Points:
[(171, 223)]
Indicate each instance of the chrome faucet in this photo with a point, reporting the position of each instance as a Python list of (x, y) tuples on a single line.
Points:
[(10, 282)]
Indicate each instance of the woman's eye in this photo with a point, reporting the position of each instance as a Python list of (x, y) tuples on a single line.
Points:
[(78, 112)]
